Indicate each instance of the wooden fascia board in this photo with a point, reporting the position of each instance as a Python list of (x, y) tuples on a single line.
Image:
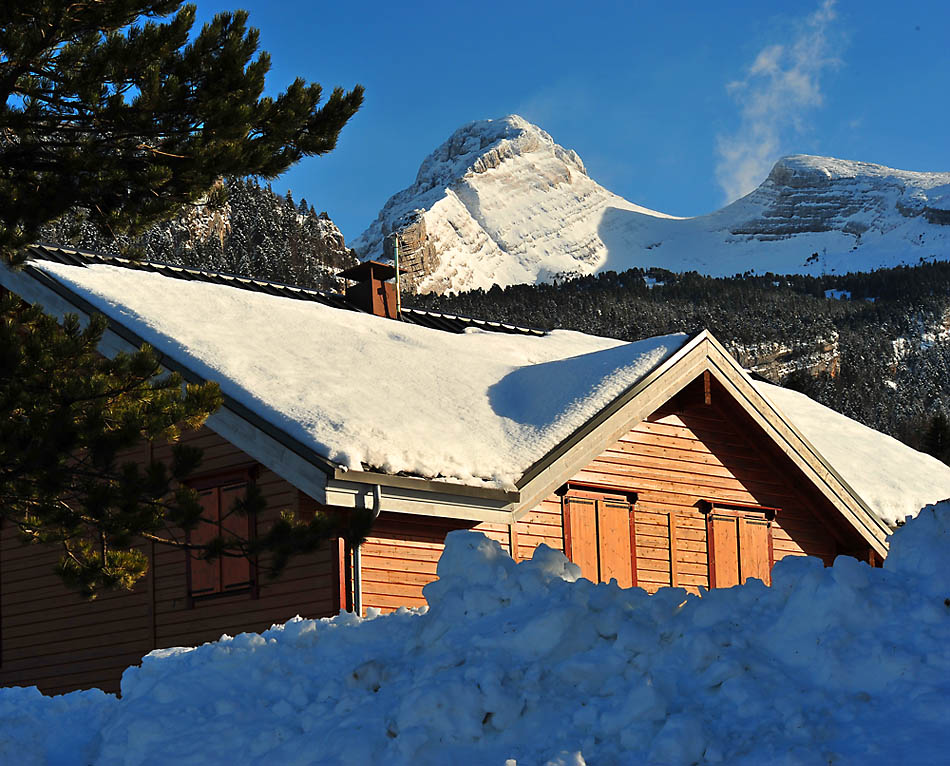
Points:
[(427, 485), (418, 502), (235, 422), (791, 442), (633, 406), (580, 434)]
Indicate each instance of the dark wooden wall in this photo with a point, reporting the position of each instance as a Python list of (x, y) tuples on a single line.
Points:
[(55, 639)]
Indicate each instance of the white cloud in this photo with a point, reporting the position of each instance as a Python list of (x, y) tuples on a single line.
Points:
[(779, 88)]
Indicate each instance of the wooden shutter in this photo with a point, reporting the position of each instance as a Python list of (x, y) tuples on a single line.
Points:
[(723, 550), (613, 532), (205, 575), (580, 535), (235, 572), (755, 558), (740, 547)]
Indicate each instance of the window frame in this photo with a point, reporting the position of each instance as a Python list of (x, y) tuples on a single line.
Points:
[(598, 494), (712, 509), (220, 480)]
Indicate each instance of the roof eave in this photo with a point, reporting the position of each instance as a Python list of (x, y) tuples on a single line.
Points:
[(421, 497), (791, 441), (235, 421)]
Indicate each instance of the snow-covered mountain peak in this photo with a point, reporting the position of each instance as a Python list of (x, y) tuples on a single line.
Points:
[(484, 144), (500, 202), (801, 170)]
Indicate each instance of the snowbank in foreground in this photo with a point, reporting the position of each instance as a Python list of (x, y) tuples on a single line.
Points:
[(520, 661)]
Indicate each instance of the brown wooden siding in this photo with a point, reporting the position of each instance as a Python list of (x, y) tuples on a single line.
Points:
[(680, 456), (686, 453), (51, 637), (673, 461)]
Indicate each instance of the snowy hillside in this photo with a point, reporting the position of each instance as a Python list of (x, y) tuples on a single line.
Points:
[(524, 664), (501, 203)]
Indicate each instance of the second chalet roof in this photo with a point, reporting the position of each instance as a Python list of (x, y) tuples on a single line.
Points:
[(475, 407)]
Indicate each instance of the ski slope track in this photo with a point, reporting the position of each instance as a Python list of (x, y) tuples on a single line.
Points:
[(501, 203)]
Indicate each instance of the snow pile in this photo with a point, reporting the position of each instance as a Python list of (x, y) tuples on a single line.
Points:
[(526, 664), (365, 391), (892, 478), (501, 203), (44, 731)]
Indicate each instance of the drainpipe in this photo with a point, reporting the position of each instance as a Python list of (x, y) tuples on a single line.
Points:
[(358, 556)]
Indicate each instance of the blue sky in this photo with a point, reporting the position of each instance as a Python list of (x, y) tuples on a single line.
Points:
[(678, 106)]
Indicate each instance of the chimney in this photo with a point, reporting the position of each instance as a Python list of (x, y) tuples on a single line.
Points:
[(372, 292)]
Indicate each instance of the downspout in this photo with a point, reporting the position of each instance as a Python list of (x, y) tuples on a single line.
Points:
[(358, 556)]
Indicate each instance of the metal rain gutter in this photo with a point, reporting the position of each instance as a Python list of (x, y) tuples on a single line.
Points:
[(358, 556)]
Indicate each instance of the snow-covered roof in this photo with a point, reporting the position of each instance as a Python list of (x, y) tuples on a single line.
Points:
[(476, 407), (894, 480)]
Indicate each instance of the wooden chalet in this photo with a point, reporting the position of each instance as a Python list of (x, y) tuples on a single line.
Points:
[(690, 477)]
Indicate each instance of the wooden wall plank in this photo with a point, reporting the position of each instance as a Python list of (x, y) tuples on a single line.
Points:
[(613, 540), (55, 639)]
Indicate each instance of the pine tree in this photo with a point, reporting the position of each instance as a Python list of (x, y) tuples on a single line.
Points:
[(109, 111), (69, 414), (936, 439)]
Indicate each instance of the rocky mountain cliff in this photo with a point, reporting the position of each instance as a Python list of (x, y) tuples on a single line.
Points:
[(498, 203), (501, 203)]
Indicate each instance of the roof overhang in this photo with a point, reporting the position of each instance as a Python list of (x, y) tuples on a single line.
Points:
[(264, 442), (422, 497)]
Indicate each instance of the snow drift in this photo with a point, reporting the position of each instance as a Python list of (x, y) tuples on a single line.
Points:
[(526, 664)]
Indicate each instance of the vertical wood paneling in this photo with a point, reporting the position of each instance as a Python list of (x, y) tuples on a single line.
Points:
[(613, 531), (205, 575), (671, 522), (235, 572), (723, 551), (581, 534), (754, 559)]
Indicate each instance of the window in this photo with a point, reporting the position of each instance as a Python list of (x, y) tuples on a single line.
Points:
[(225, 574), (739, 540), (599, 536)]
